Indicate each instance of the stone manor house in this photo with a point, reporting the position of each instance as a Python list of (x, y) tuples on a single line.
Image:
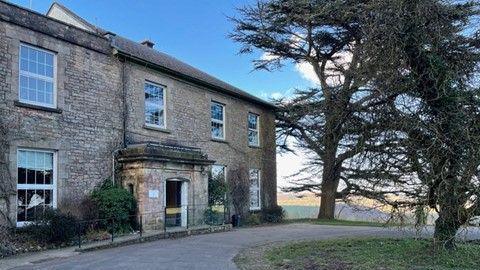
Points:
[(79, 104)]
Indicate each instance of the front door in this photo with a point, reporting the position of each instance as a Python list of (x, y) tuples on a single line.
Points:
[(176, 203)]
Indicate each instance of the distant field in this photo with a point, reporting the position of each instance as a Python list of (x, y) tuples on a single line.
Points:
[(300, 211), (308, 206)]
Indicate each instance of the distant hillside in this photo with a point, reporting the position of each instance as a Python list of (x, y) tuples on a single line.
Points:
[(307, 206)]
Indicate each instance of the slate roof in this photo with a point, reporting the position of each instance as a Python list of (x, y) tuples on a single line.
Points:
[(96, 40), (176, 67)]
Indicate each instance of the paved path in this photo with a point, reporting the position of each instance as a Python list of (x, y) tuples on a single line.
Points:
[(209, 251)]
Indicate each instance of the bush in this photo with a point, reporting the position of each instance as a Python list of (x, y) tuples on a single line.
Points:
[(212, 217), (53, 227), (254, 219), (274, 214), (115, 206)]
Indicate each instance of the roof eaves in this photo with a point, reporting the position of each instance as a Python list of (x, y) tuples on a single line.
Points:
[(253, 99)]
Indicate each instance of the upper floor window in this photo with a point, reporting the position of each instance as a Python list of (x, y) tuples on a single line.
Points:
[(255, 203), (37, 76), (154, 105), (36, 185), (218, 120), (253, 131)]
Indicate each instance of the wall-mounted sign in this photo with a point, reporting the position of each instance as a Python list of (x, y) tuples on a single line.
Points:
[(153, 193)]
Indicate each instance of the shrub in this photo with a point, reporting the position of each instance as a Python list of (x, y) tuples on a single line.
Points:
[(53, 227), (274, 214), (116, 207), (254, 219), (212, 217), (217, 190)]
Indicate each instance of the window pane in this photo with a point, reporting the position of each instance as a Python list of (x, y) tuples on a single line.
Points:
[(217, 111), (22, 175), (252, 121), (30, 176), (36, 78), (21, 214), (217, 130), (218, 172), (35, 168), (23, 64), (154, 111), (48, 177), (254, 189), (252, 137)]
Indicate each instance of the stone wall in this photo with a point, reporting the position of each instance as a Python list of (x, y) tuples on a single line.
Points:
[(86, 128), (188, 123), (87, 125)]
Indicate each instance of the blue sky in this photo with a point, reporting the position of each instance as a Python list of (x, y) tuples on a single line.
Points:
[(194, 31)]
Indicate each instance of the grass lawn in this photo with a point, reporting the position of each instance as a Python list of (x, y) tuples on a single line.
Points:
[(337, 222), (360, 253)]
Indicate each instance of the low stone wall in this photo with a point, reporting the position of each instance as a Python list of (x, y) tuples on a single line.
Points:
[(153, 236)]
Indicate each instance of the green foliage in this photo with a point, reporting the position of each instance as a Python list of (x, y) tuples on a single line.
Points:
[(116, 207), (254, 219), (53, 227), (217, 190), (274, 214), (213, 216)]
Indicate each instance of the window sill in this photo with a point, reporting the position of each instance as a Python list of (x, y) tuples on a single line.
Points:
[(164, 130), (219, 140), (255, 146), (36, 107)]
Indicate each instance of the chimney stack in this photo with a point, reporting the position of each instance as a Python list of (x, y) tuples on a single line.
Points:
[(147, 43)]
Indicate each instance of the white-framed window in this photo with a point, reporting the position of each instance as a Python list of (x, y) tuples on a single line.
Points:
[(253, 130), (154, 105), (37, 76), (219, 172), (36, 183), (218, 120), (255, 199)]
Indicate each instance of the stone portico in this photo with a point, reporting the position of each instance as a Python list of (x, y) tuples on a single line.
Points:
[(155, 172)]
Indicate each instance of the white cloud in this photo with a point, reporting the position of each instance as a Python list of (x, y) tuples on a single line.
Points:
[(334, 77), (307, 72), (276, 95), (268, 56)]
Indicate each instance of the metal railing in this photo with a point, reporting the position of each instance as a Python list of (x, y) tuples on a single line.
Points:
[(174, 218)]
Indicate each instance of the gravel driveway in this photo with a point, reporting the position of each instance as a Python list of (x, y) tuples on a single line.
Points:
[(209, 251)]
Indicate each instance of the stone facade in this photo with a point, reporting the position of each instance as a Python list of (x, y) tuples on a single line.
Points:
[(100, 111)]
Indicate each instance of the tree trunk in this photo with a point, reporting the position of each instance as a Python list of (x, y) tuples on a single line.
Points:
[(446, 227), (448, 221), (327, 205), (330, 180)]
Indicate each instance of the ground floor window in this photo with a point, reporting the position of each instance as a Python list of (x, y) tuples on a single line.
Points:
[(36, 185), (255, 189), (218, 172)]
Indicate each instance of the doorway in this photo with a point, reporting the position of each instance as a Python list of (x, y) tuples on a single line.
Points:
[(176, 203)]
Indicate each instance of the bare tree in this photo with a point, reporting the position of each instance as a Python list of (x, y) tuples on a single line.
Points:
[(238, 183), (7, 189)]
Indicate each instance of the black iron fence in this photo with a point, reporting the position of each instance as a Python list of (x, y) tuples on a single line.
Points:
[(169, 218)]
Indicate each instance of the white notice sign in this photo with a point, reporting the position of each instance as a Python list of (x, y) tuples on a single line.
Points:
[(153, 193)]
